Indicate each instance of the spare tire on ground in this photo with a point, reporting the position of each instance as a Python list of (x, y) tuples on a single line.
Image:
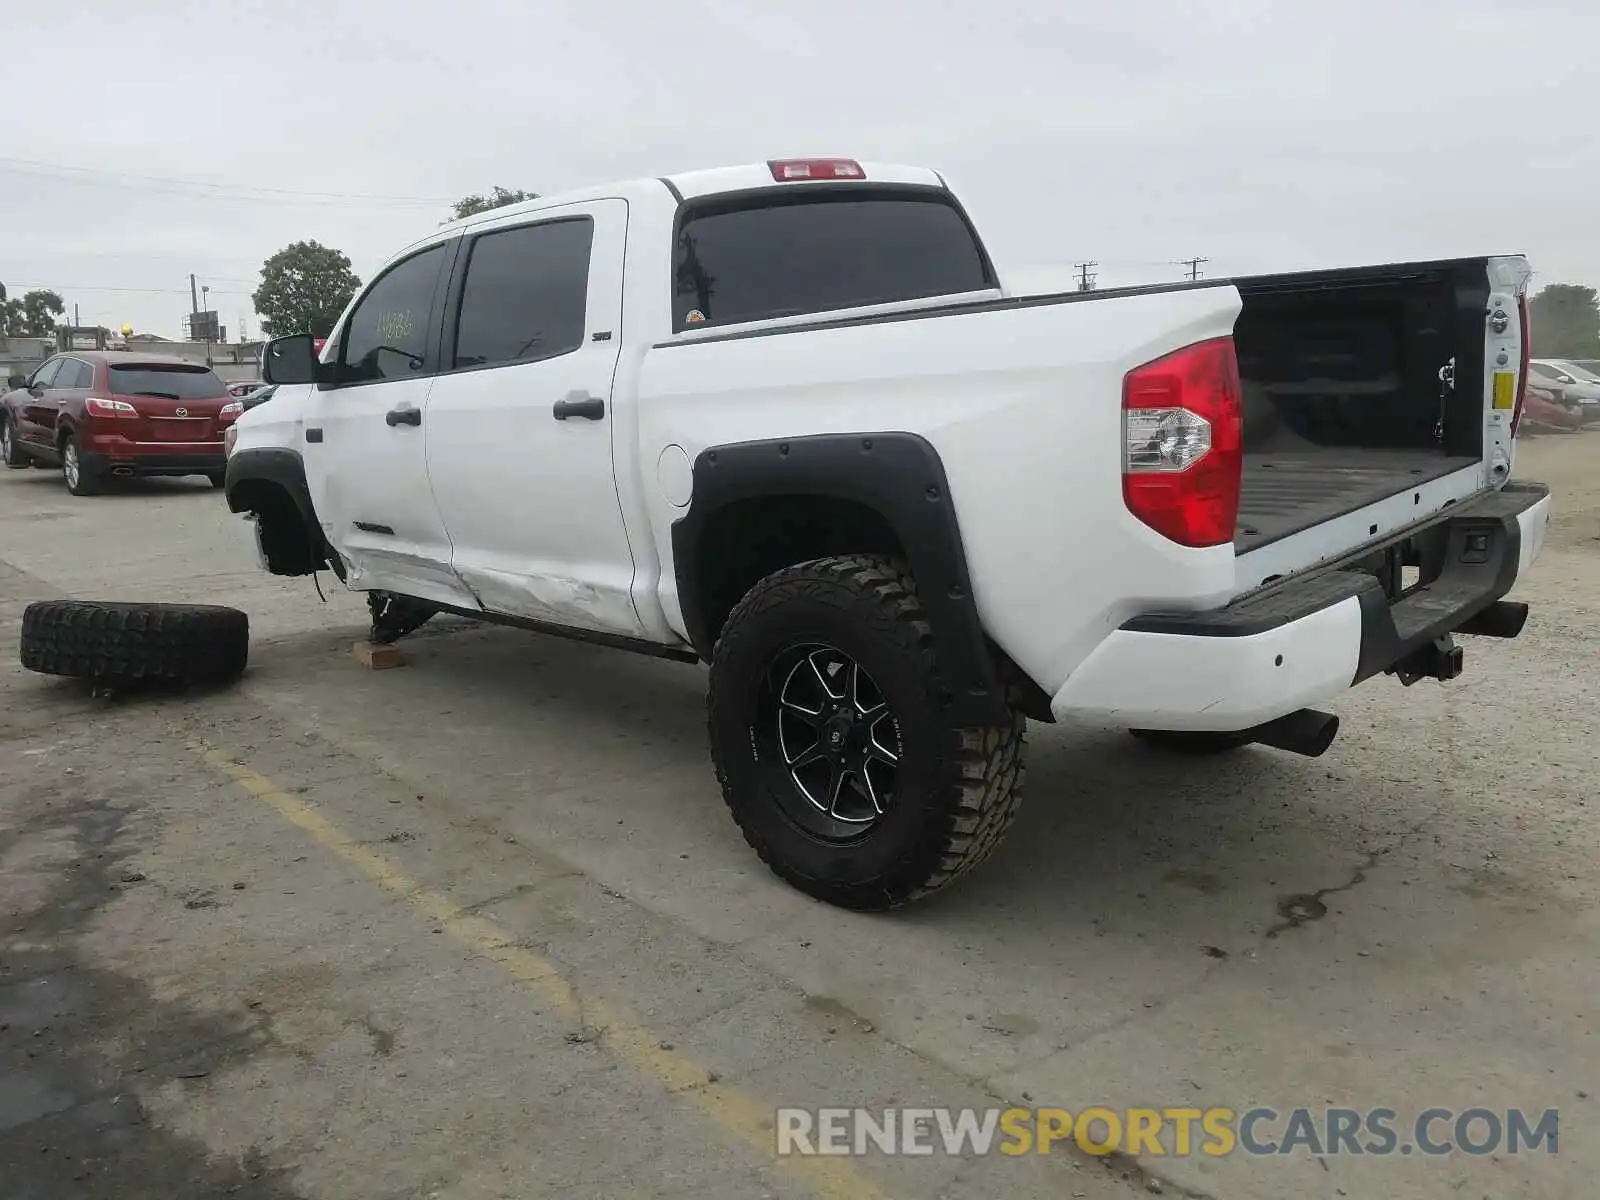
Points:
[(129, 644)]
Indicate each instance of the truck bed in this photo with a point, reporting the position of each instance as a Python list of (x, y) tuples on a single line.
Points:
[(1285, 493), (1345, 399)]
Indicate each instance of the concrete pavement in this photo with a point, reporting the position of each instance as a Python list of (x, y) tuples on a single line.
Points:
[(449, 869)]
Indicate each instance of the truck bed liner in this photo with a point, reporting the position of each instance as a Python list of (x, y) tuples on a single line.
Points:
[(1285, 493)]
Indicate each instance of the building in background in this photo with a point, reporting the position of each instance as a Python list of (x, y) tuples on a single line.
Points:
[(235, 362)]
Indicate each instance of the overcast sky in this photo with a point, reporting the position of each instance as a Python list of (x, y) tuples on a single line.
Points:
[(1260, 134)]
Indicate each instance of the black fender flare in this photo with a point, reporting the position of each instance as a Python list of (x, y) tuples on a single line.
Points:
[(270, 464), (899, 476), (285, 469)]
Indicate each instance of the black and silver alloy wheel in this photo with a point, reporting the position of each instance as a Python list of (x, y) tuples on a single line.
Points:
[(835, 747), (833, 736)]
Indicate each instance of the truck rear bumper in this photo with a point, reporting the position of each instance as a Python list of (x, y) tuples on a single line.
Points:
[(1281, 649)]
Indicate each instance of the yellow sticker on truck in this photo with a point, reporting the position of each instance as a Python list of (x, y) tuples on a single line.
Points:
[(1505, 389)]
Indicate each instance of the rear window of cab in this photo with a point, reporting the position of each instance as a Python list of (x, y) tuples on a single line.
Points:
[(815, 250)]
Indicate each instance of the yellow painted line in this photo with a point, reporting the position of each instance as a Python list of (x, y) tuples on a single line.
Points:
[(749, 1120)]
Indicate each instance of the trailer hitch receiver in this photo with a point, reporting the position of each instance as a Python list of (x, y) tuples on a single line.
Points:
[(1439, 659)]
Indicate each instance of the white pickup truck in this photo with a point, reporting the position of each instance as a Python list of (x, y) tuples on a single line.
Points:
[(787, 420)]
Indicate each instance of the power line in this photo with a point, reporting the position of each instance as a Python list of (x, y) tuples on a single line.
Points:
[(172, 185), (1194, 265), (75, 287)]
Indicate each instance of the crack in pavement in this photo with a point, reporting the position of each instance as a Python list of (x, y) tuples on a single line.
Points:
[(1300, 907)]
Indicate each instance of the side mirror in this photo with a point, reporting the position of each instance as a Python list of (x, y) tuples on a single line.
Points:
[(291, 359), (14, 382)]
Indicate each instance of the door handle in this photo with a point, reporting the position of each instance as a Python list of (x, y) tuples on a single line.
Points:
[(580, 404), (403, 416)]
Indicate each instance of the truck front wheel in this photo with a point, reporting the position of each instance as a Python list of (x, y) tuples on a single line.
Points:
[(832, 743)]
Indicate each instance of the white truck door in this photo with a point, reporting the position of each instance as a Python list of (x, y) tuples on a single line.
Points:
[(519, 419), (364, 451)]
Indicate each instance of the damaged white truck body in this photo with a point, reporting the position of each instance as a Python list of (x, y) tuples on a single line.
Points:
[(786, 420)]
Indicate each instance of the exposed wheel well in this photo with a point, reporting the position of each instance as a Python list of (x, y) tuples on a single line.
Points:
[(291, 544), (748, 540)]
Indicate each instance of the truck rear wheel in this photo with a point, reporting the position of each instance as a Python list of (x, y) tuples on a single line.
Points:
[(832, 744)]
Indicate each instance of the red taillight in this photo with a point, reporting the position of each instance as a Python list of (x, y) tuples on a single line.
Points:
[(1527, 353), (110, 408), (1183, 432), (786, 170)]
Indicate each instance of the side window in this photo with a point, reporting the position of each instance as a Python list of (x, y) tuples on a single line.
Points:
[(45, 376), (525, 294), (74, 374), (387, 334)]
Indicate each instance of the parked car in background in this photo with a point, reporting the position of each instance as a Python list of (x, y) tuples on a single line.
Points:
[(98, 414), (1575, 386), (1543, 411), (259, 396)]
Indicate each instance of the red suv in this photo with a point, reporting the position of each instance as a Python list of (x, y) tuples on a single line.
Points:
[(99, 414)]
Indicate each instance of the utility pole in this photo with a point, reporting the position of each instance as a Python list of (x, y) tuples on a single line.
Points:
[(1086, 280), (1194, 265), (75, 321), (194, 305), (206, 292)]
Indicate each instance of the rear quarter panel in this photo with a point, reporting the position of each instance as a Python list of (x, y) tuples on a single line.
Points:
[(1023, 405)]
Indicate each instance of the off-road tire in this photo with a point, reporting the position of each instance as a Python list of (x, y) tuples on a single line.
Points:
[(1196, 743), (14, 455), (127, 644), (958, 789)]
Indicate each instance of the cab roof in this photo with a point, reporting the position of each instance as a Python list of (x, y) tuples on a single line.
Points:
[(691, 185)]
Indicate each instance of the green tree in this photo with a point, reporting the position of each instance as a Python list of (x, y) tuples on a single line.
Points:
[(33, 315), (1566, 322), (304, 288), (469, 206), (39, 312)]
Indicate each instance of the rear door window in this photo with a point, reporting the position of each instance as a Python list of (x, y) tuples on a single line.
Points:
[(525, 295), (798, 252), (45, 376), (175, 382), (75, 375)]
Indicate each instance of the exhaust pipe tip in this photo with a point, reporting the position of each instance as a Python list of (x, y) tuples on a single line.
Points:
[(122, 471), (1502, 619), (1306, 732)]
